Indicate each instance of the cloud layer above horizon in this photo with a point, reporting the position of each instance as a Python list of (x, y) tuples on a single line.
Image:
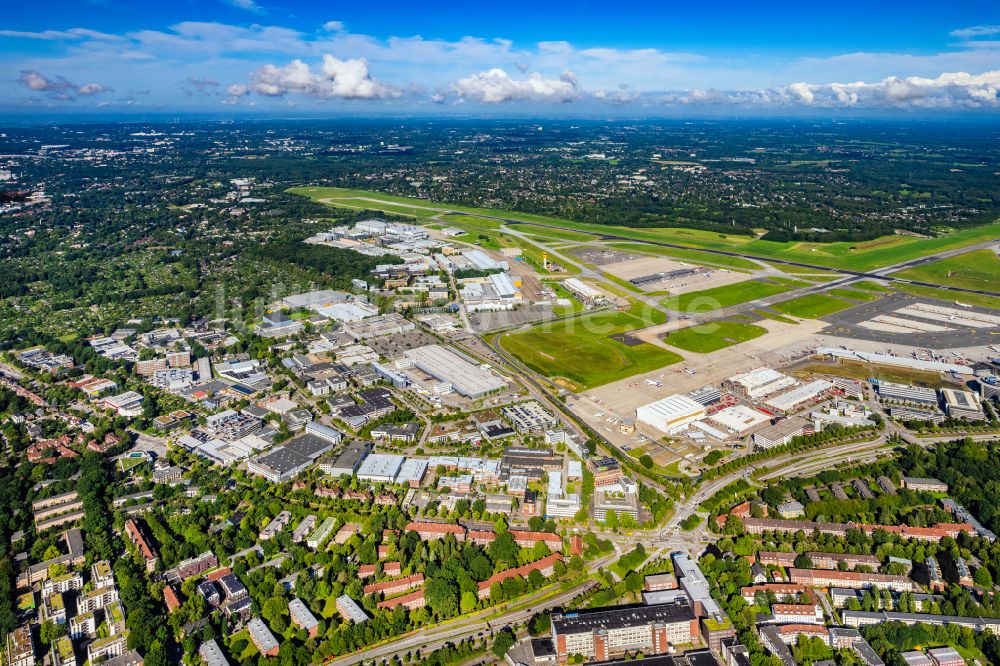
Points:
[(202, 65)]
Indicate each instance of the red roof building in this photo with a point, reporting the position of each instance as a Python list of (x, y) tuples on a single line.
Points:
[(544, 565), (395, 586), (170, 597), (527, 539), (431, 531), (411, 601), (218, 573)]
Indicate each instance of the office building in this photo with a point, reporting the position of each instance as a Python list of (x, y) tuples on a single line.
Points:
[(605, 633), (906, 393), (962, 405)]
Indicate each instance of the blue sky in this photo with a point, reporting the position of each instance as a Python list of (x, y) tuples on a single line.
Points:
[(586, 57)]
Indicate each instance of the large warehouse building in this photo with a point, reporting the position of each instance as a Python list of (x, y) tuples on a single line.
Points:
[(758, 383), (671, 413), (284, 462), (445, 365)]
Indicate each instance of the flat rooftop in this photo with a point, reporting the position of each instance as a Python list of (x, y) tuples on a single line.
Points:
[(619, 617)]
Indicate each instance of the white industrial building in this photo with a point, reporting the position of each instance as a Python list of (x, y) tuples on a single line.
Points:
[(483, 262), (315, 299), (380, 467), (346, 312), (128, 403), (670, 414), (412, 472), (583, 291), (759, 383), (799, 396), (898, 361), (739, 419), (445, 365), (504, 286)]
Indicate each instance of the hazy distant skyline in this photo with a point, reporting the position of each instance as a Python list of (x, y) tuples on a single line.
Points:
[(258, 56)]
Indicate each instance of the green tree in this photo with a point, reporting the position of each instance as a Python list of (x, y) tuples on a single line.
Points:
[(504, 641)]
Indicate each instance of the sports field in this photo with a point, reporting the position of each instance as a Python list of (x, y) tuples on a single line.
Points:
[(713, 336), (866, 255), (974, 270), (724, 296), (813, 306), (580, 353)]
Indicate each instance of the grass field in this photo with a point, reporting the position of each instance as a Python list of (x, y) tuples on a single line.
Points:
[(866, 255), (689, 255), (870, 286), (981, 300), (855, 294), (864, 371), (724, 296), (791, 283), (975, 270), (813, 306), (776, 317), (580, 354), (713, 336)]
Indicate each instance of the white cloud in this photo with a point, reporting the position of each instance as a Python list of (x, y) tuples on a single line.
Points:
[(71, 34), (956, 90), (624, 95), (248, 5), (496, 85), (976, 31), (329, 62), (58, 87), (92, 89), (346, 79)]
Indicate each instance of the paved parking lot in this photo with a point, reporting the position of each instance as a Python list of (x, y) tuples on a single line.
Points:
[(846, 324)]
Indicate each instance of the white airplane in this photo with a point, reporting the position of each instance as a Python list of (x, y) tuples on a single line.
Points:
[(951, 317), (962, 305), (650, 382), (690, 371)]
